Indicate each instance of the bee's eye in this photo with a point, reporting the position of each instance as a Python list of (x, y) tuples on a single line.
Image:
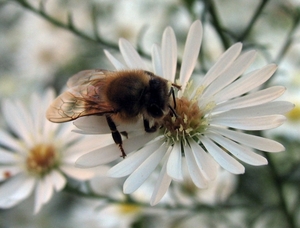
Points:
[(155, 111)]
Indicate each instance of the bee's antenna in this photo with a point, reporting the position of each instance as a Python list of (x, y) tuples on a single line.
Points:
[(173, 96), (173, 111)]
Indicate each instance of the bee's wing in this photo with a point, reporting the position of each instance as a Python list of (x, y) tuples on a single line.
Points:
[(86, 76), (86, 98)]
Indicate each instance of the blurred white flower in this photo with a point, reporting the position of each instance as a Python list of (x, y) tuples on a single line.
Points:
[(35, 154), (211, 114)]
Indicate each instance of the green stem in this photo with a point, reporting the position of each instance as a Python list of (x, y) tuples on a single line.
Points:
[(217, 23), (69, 27), (289, 40), (253, 20), (280, 191)]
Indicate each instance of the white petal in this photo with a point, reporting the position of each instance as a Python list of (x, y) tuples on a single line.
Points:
[(39, 196), (8, 203), (222, 64), (257, 98), (116, 63), (156, 60), (99, 156), (18, 119), (7, 156), (92, 125), (253, 141), (162, 185), (134, 160), (250, 123), (10, 142), (58, 180), (191, 52), (7, 171), (48, 188), (239, 151), (224, 159), (169, 54), (137, 178), (246, 83), (16, 188), (271, 108), (77, 173), (130, 55), (204, 160), (112, 152), (196, 175), (233, 72), (174, 166)]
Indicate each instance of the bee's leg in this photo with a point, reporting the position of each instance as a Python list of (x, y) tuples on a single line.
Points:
[(115, 134), (148, 128)]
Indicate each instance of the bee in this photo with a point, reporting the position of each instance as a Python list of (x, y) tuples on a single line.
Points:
[(125, 95)]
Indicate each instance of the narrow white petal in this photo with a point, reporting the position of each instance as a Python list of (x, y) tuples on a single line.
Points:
[(250, 123), (196, 175), (246, 83), (8, 203), (271, 108), (17, 193), (242, 153), (222, 64), (7, 171), (7, 156), (191, 52), (10, 186), (93, 125), (156, 60), (48, 188), (134, 160), (169, 54), (116, 63), (257, 98), (18, 119), (58, 180), (10, 142), (253, 141), (137, 178), (237, 68), (39, 196), (162, 184), (77, 173), (223, 158), (204, 160), (99, 156), (130, 55), (174, 166), (112, 152)]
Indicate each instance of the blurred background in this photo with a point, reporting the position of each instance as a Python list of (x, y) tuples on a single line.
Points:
[(39, 49)]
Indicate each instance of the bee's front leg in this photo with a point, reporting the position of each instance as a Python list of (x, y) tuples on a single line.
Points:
[(115, 134)]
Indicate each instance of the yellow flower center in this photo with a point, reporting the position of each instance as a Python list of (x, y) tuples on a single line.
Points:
[(188, 123), (129, 208), (41, 159), (294, 114)]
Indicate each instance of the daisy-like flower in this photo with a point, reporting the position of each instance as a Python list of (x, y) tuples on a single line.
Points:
[(210, 116), (38, 155)]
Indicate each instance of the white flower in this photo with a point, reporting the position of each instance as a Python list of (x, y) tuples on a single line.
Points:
[(211, 114), (35, 154)]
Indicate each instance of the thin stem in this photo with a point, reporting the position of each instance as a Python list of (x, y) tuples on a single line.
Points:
[(253, 20), (289, 40), (280, 191), (69, 26), (217, 23)]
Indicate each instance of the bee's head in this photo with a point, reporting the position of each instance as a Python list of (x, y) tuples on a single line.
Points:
[(157, 97)]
